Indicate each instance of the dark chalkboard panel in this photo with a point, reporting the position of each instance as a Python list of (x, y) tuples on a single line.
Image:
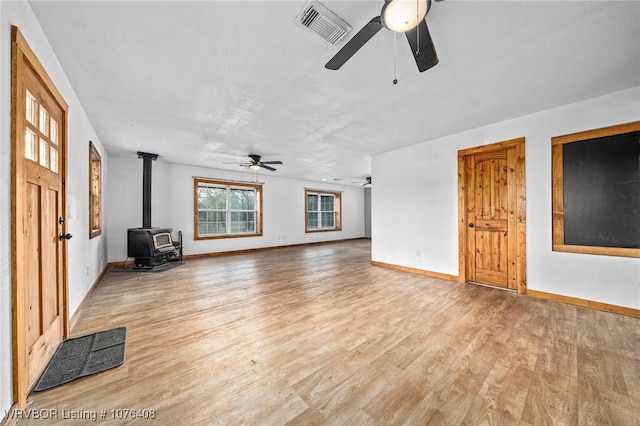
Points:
[(596, 191), (602, 191)]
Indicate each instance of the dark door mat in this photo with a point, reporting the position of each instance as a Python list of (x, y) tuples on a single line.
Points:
[(158, 268), (83, 356)]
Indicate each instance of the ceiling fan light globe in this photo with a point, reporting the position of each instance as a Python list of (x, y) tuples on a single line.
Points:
[(254, 167), (403, 15)]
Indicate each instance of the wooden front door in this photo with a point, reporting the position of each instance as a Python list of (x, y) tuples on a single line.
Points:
[(492, 215), (39, 255)]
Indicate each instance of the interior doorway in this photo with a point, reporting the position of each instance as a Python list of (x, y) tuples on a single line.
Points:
[(492, 222), (38, 243)]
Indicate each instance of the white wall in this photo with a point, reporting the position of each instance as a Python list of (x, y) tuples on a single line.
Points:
[(172, 206), (86, 258), (422, 179)]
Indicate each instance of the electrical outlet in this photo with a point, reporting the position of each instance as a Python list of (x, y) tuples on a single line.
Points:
[(418, 254)]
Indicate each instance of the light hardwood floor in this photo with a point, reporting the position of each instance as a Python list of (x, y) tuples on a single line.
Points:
[(316, 335)]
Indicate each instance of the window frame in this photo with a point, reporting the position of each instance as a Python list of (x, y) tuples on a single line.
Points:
[(558, 190), (227, 185), (95, 192), (337, 210)]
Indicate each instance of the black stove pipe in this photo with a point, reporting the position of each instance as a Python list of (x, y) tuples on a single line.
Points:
[(146, 187)]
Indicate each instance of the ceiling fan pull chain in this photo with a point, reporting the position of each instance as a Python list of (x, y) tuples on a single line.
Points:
[(395, 71), (418, 27)]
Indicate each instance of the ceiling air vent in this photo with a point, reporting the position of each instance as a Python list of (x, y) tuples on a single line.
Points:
[(322, 21)]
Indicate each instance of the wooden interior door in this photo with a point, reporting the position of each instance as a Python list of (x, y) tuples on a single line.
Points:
[(39, 263), (487, 219), (492, 215)]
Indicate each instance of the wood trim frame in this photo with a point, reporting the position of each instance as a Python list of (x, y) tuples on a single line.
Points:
[(259, 191), (20, 49), (338, 210), (94, 156), (557, 175), (516, 218), (614, 309), (415, 271)]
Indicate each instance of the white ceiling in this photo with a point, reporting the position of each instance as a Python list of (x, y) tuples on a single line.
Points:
[(208, 82)]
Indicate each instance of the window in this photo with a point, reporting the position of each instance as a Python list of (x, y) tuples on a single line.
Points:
[(41, 134), (322, 210), (95, 192), (595, 191), (225, 210)]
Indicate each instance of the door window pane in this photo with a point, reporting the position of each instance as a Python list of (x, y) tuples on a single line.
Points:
[(30, 108), (44, 153), (44, 121), (53, 130), (53, 160), (30, 149)]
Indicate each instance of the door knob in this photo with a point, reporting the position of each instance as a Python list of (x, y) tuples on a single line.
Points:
[(62, 236), (471, 225)]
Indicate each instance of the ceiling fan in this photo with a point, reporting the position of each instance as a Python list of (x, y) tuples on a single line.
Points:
[(367, 182), (255, 163), (400, 16)]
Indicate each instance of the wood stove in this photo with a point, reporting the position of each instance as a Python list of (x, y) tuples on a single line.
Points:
[(150, 246)]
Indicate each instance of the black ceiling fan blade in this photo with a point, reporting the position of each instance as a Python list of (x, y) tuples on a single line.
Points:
[(271, 162), (426, 57), (356, 42), (267, 167)]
